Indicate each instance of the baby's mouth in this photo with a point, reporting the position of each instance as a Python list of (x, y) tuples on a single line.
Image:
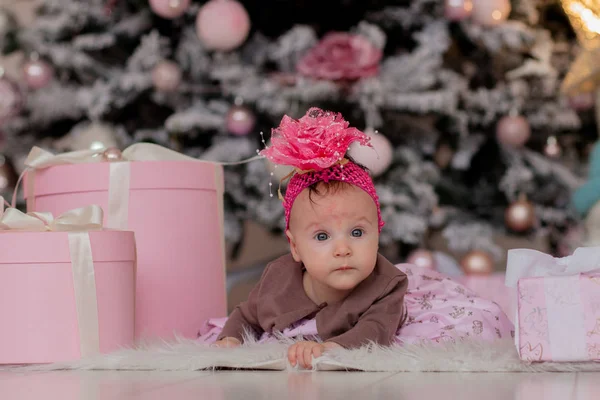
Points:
[(345, 268)]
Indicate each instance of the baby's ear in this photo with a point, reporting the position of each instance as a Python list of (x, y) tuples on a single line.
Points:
[(293, 247)]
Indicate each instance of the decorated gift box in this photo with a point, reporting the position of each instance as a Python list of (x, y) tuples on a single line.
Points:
[(558, 304), (172, 202), (67, 286)]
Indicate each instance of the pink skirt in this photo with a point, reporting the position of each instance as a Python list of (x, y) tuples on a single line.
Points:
[(439, 310)]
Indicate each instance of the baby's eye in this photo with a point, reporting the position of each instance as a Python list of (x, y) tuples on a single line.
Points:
[(321, 236), (357, 232)]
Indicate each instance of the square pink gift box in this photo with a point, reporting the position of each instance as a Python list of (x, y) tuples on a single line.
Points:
[(172, 202), (65, 295), (558, 305)]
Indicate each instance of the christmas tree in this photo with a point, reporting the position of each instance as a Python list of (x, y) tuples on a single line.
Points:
[(472, 133)]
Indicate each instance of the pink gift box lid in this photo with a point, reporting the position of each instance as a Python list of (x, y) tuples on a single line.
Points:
[(90, 177), (53, 247)]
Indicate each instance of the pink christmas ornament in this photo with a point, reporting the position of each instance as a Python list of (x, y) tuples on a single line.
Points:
[(490, 12), (37, 73), (11, 99), (169, 9), (457, 10), (377, 158), (166, 76), (513, 131), (113, 154), (240, 120), (477, 262), (222, 25), (552, 148), (421, 258)]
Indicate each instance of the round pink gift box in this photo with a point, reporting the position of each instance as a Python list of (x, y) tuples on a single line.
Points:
[(175, 210), (37, 300)]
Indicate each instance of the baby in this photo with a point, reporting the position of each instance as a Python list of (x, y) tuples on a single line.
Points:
[(334, 273)]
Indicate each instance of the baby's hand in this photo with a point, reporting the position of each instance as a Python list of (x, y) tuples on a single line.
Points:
[(227, 342), (303, 352)]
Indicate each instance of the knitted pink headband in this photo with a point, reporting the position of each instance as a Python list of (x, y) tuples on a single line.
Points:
[(315, 145)]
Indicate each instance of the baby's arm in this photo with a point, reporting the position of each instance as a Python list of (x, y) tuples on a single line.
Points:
[(381, 321), (243, 319)]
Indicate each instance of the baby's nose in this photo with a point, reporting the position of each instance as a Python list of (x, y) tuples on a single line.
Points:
[(342, 249)]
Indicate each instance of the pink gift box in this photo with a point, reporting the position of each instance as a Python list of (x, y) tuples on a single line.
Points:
[(38, 307), (175, 210), (559, 318)]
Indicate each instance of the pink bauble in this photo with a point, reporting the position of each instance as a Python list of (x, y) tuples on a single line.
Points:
[(37, 73), (457, 10), (513, 131), (477, 262), (240, 120), (582, 101), (490, 12), (222, 25), (377, 158), (166, 76), (552, 148), (169, 9), (11, 99), (112, 154), (421, 258)]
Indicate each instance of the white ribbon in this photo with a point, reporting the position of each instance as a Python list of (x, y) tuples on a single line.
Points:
[(39, 158), (76, 223), (118, 195), (566, 329)]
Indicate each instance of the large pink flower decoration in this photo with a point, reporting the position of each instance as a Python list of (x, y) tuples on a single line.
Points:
[(316, 141), (339, 56)]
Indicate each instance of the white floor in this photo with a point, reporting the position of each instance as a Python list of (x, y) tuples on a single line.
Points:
[(100, 385)]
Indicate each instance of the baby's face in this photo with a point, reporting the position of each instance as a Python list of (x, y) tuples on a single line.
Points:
[(336, 236)]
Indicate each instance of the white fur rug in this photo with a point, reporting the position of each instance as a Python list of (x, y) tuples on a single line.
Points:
[(472, 356)]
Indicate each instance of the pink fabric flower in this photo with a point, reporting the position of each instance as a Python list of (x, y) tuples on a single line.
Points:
[(341, 56), (314, 142)]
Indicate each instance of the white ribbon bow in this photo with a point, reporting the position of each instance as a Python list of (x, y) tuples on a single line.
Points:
[(39, 158), (80, 219), (75, 223), (523, 263)]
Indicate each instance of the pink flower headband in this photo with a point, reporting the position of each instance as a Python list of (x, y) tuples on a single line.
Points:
[(316, 145)]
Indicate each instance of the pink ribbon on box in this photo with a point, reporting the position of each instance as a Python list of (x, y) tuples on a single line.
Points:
[(565, 313), (76, 223)]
